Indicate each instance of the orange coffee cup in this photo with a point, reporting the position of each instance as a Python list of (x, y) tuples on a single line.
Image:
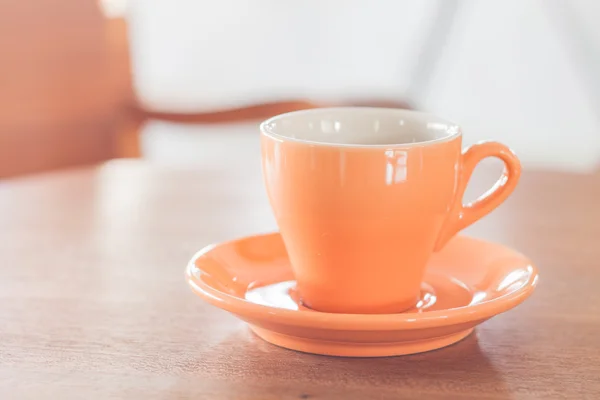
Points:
[(364, 196)]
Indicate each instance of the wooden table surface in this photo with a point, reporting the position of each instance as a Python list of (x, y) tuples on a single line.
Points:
[(94, 303)]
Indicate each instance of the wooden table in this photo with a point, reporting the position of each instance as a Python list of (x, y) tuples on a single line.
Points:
[(94, 303)]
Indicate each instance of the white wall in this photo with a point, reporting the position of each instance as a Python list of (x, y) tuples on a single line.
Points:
[(519, 71), (509, 73)]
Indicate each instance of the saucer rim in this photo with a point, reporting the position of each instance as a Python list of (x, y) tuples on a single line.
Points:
[(343, 321)]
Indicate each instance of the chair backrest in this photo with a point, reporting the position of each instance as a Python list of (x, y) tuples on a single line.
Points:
[(63, 77)]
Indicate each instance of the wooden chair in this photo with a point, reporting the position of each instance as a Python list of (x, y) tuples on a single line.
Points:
[(67, 97), (64, 77)]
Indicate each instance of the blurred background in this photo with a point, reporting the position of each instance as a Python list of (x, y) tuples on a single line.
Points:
[(185, 82)]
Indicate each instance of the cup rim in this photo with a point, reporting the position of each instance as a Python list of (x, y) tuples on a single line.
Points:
[(266, 130)]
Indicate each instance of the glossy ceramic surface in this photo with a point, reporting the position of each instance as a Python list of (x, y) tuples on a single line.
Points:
[(364, 196), (466, 283)]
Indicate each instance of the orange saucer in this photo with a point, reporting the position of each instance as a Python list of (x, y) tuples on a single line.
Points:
[(466, 283)]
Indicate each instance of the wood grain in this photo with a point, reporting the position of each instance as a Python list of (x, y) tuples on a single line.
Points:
[(94, 304)]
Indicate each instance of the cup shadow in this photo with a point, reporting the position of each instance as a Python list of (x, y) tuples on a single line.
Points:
[(459, 369)]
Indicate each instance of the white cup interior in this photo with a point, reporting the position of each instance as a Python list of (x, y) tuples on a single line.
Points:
[(360, 126)]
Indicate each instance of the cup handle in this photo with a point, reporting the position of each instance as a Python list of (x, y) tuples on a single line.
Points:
[(462, 215)]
